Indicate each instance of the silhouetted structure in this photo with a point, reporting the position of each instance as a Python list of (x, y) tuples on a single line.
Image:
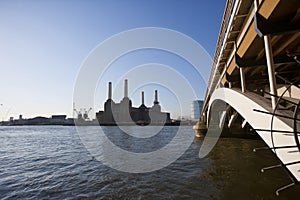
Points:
[(54, 120), (124, 114)]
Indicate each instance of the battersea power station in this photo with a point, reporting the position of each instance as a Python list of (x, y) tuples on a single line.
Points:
[(124, 114)]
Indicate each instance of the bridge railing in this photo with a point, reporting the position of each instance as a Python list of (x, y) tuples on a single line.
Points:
[(226, 18)]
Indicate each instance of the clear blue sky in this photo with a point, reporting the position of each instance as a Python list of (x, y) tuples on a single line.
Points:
[(43, 43)]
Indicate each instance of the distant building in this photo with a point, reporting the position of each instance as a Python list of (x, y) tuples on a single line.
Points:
[(54, 120), (124, 114), (58, 119), (196, 108), (37, 121)]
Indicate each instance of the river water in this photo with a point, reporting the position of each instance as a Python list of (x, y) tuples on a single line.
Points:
[(50, 162)]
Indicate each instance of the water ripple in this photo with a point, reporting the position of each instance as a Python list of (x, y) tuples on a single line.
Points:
[(43, 162)]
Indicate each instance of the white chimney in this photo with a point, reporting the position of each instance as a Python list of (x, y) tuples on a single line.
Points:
[(143, 98), (109, 90), (125, 88), (156, 97)]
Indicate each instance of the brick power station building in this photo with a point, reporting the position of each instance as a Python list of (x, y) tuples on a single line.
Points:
[(124, 114)]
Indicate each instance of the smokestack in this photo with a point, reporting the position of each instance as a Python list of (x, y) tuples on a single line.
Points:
[(125, 88), (156, 97), (143, 98), (109, 90)]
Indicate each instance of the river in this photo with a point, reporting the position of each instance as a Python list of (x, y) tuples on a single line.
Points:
[(50, 162)]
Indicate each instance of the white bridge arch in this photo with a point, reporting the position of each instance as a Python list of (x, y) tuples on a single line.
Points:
[(246, 104)]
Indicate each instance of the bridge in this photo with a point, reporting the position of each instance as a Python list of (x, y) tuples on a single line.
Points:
[(256, 74)]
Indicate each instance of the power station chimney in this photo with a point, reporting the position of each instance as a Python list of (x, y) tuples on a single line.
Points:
[(156, 97), (109, 90), (143, 98), (125, 88)]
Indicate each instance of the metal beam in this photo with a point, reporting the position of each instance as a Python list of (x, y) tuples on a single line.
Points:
[(233, 117), (241, 16), (271, 70), (236, 78), (243, 81), (265, 27), (252, 62), (244, 123)]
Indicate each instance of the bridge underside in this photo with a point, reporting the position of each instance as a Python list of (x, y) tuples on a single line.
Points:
[(254, 111), (256, 71), (272, 23)]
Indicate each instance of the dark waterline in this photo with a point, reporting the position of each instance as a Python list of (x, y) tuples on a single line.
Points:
[(51, 163)]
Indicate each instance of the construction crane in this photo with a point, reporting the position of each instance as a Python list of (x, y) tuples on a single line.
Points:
[(82, 113), (78, 113), (86, 113)]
